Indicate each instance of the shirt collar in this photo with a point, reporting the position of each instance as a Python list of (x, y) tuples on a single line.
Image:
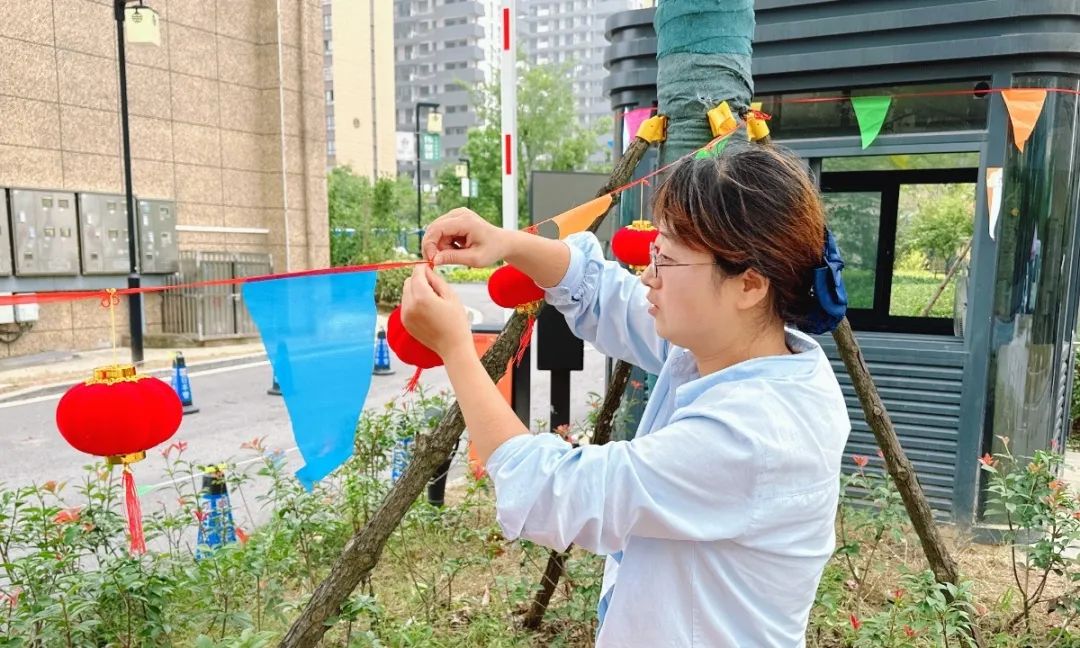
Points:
[(786, 367)]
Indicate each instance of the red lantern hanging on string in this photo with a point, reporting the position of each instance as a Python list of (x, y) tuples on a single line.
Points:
[(632, 244), (119, 415), (512, 288), (408, 349)]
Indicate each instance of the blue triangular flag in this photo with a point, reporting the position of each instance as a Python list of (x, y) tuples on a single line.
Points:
[(319, 333)]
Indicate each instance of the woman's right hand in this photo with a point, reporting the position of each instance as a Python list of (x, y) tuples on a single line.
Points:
[(463, 237)]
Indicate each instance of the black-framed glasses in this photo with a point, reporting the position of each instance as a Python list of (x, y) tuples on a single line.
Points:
[(654, 265)]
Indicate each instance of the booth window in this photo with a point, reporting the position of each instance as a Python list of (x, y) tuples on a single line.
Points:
[(903, 224), (923, 108)]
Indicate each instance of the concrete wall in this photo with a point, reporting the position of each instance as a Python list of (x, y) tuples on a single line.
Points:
[(227, 119)]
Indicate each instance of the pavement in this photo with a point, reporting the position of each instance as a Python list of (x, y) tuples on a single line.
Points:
[(229, 386)]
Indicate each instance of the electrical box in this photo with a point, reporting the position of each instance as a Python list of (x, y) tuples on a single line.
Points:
[(5, 236), (103, 234), (44, 230), (7, 313), (26, 312), (157, 237)]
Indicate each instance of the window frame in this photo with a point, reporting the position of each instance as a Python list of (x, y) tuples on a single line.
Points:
[(888, 184)]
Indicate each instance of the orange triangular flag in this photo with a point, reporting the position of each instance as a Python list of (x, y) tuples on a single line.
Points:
[(1024, 107), (578, 219)]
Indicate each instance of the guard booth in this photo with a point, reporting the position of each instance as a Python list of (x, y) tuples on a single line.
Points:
[(915, 215)]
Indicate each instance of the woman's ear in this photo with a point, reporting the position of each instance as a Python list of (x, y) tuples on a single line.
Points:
[(752, 289)]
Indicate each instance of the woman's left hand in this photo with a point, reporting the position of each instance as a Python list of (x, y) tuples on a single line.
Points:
[(432, 312)]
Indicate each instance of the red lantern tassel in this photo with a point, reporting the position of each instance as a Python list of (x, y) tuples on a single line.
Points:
[(414, 381), (526, 338), (134, 513)]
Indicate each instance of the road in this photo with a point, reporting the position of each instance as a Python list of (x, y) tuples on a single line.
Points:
[(234, 408)]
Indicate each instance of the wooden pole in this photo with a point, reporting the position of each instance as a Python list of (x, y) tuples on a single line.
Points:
[(362, 551)]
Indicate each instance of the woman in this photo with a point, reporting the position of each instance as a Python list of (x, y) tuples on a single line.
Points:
[(717, 519)]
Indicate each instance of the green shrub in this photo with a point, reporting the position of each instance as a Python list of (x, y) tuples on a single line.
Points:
[(462, 274)]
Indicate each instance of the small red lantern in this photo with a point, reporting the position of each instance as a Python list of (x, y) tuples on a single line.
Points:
[(512, 288), (631, 244), (408, 349), (119, 415)]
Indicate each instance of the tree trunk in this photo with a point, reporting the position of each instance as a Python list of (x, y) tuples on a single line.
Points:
[(898, 465), (362, 551), (948, 277)]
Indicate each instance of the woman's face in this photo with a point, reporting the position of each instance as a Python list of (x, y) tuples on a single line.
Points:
[(689, 298)]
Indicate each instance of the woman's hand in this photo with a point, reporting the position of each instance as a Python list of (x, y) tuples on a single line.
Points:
[(461, 236), (433, 314)]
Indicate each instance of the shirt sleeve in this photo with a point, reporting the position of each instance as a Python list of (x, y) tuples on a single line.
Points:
[(692, 480), (605, 305)]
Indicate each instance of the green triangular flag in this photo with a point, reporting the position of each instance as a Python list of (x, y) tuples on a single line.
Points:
[(870, 111), (712, 151), (143, 490)]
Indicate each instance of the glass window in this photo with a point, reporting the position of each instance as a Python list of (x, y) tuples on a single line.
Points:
[(1034, 288), (901, 162), (933, 233), (904, 235), (855, 218), (939, 111)]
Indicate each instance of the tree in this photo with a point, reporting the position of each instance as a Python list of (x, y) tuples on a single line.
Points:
[(941, 224), (367, 222), (550, 138), (349, 199)]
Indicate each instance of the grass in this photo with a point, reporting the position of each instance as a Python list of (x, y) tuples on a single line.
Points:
[(911, 292)]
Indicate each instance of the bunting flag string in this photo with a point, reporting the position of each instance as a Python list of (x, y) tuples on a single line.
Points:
[(1024, 107)]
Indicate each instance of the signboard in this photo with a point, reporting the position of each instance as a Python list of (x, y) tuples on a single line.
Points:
[(405, 145), (430, 147), (434, 122), (469, 187)]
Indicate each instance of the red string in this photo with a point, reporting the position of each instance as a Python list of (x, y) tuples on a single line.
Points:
[(65, 296), (75, 295), (134, 513), (526, 338)]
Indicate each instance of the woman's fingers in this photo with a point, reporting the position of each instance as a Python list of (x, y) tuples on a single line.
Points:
[(443, 232), (421, 289), (438, 284)]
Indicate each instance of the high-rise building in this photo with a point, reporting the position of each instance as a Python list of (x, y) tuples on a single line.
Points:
[(440, 53), (572, 32), (358, 55)]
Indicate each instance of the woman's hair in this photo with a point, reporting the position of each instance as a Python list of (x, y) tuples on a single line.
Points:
[(752, 206)]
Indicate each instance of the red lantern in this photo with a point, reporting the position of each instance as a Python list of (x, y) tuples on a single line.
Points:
[(408, 349), (512, 288), (119, 415), (631, 244)]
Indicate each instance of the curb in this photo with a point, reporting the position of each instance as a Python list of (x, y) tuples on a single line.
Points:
[(60, 387)]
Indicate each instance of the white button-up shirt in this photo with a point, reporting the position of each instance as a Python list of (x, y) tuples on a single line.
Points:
[(717, 519)]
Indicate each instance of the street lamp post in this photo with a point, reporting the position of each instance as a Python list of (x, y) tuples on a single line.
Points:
[(419, 181), (135, 301)]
